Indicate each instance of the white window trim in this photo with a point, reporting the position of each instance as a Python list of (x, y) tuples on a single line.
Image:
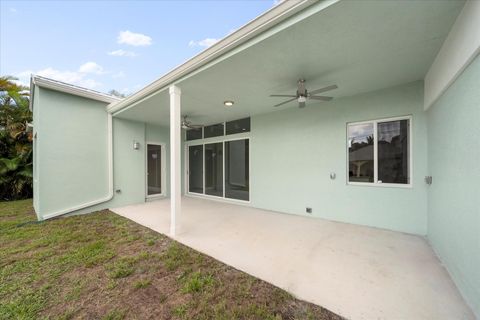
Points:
[(162, 169), (219, 139), (375, 182)]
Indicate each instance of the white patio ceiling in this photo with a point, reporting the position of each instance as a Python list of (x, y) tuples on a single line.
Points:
[(359, 45)]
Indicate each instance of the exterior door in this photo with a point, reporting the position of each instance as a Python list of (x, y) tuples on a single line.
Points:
[(154, 170)]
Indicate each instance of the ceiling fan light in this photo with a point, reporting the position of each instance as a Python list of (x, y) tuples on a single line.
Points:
[(302, 99), (228, 103)]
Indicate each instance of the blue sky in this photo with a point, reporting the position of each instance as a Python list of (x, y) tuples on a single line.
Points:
[(106, 45)]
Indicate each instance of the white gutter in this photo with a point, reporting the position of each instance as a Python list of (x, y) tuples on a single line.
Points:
[(30, 103), (109, 195), (71, 89), (260, 24)]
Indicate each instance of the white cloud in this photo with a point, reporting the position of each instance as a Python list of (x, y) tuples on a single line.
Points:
[(81, 77), (13, 10), (91, 67), (89, 83), (118, 75), (203, 43), (133, 39), (22, 80), (129, 90), (71, 77), (122, 53)]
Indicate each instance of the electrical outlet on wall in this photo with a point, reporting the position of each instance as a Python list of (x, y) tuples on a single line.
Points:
[(308, 210)]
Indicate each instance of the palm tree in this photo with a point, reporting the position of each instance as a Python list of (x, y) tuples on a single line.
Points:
[(15, 141)]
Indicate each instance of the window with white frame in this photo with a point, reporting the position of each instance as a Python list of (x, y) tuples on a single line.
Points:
[(379, 152), (218, 161)]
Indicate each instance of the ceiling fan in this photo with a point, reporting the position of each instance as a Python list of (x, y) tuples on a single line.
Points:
[(303, 94), (186, 124)]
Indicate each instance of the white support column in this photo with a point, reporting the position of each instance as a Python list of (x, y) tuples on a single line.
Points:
[(175, 158)]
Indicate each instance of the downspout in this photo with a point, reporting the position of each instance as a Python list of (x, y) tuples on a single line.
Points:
[(109, 195)]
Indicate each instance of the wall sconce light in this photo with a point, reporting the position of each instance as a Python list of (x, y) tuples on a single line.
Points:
[(136, 145)]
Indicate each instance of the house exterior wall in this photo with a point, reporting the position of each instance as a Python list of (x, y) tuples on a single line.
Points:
[(294, 151), (292, 155), (71, 154), (128, 164), (454, 196)]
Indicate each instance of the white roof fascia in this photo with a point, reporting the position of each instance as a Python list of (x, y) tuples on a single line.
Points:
[(71, 89)]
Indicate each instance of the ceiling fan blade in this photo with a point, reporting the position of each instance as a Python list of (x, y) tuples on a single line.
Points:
[(290, 100), (283, 95), (322, 98), (186, 124), (323, 89), (301, 104)]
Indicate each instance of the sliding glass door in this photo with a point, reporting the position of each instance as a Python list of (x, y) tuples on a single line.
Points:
[(220, 169), (237, 169), (195, 169), (214, 169)]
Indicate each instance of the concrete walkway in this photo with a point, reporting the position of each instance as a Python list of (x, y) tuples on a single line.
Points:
[(357, 272)]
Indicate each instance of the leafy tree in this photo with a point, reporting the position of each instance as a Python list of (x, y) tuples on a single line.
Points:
[(15, 141), (117, 94)]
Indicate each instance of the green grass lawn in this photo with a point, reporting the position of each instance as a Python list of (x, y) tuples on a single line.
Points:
[(103, 266)]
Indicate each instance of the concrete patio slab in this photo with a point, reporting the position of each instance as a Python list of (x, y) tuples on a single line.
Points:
[(355, 271)]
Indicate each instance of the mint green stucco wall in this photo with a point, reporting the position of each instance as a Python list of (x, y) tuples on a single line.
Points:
[(128, 164), (292, 155), (454, 196), (71, 154), (294, 151)]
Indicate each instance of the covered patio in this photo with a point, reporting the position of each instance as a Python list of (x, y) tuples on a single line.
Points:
[(375, 72), (358, 272), (294, 160)]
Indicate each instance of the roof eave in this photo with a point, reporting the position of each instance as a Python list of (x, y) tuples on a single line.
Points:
[(260, 24), (32, 90), (70, 89)]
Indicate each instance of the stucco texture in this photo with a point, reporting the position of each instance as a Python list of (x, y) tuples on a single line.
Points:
[(294, 151), (454, 196)]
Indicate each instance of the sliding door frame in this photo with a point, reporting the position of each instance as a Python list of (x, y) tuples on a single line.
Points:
[(220, 139)]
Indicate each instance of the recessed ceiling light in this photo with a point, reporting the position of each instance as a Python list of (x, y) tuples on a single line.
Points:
[(228, 103)]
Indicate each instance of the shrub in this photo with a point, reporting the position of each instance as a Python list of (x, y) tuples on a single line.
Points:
[(15, 141)]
